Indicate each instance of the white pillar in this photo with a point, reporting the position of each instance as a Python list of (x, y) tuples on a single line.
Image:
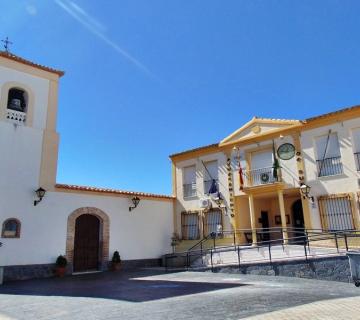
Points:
[(252, 220), (283, 215)]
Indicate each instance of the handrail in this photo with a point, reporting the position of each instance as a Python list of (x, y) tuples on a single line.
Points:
[(312, 235)]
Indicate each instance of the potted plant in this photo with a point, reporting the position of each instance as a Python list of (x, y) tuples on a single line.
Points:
[(61, 264), (116, 261)]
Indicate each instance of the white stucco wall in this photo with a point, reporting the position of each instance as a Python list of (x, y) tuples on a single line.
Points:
[(143, 233)]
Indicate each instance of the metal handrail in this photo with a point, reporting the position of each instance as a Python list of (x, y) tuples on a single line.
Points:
[(309, 236)]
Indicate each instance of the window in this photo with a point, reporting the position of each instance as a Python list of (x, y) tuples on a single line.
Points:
[(189, 184), (11, 228), (262, 171), (213, 222), (328, 155), (356, 147), (17, 100), (210, 174), (190, 225), (336, 212)]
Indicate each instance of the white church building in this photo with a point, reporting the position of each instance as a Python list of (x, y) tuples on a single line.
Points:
[(85, 224)]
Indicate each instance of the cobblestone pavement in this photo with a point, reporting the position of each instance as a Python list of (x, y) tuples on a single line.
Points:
[(149, 294)]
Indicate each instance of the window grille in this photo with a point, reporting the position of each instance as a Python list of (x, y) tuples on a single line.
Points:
[(336, 212), (190, 226), (212, 222)]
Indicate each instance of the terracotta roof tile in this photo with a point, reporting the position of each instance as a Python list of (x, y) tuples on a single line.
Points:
[(13, 57), (195, 149), (111, 191), (356, 107)]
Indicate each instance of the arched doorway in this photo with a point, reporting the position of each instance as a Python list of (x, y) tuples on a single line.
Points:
[(102, 221), (86, 243), (298, 218)]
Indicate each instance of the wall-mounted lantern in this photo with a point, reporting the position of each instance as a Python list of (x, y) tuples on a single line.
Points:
[(135, 202), (305, 192), (40, 193)]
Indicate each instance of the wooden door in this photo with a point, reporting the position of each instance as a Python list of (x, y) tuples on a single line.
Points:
[(86, 246)]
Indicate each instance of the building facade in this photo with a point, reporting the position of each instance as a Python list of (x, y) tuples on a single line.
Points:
[(272, 173), (85, 224)]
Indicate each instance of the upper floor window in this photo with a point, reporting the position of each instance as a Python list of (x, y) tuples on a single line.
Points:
[(211, 177), (17, 105), (356, 147), (262, 168), (328, 155), (189, 182), (11, 228)]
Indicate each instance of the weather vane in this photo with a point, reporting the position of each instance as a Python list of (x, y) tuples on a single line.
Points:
[(6, 42)]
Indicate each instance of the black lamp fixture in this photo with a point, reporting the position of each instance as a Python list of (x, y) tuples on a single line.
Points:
[(305, 192), (135, 202), (40, 193)]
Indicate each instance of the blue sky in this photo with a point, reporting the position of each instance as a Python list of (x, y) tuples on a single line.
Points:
[(145, 79)]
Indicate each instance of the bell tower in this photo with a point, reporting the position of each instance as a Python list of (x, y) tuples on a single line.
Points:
[(28, 137)]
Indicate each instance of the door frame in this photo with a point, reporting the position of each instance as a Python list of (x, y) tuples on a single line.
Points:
[(104, 235)]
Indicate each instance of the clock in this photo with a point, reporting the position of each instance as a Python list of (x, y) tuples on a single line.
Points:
[(286, 151)]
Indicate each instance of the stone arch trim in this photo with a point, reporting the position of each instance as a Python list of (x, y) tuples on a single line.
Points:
[(104, 234)]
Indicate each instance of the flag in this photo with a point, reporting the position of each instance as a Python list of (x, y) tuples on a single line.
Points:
[(276, 165), (213, 188), (241, 178)]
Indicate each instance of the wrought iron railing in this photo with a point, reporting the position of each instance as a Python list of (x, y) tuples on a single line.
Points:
[(303, 241), (189, 190), (357, 160), (329, 166), (262, 176), (16, 116)]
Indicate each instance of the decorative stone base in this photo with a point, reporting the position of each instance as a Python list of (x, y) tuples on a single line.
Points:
[(330, 268), (24, 272)]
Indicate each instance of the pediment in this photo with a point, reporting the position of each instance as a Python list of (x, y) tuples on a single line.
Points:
[(258, 127)]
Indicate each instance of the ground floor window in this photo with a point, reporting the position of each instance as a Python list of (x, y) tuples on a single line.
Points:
[(190, 225), (11, 228), (212, 222), (336, 212)]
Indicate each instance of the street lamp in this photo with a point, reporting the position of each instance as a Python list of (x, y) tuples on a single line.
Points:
[(305, 191), (40, 193), (135, 202)]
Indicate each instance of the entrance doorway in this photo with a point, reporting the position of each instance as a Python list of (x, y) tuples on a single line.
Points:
[(265, 225), (298, 219), (86, 244)]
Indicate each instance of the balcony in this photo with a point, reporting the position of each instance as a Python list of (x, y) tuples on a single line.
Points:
[(261, 176), (16, 116), (189, 190), (329, 167)]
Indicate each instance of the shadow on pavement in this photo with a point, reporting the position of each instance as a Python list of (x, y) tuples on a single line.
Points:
[(108, 285)]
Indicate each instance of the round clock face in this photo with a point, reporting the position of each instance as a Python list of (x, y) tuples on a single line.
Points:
[(286, 151)]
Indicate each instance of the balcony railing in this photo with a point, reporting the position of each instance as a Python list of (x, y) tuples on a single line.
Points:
[(189, 190), (357, 160), (16, 116), (329, 166), (261, 176)]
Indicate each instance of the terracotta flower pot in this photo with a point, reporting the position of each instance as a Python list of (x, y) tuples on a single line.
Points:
[(60, 271), (115, 266)]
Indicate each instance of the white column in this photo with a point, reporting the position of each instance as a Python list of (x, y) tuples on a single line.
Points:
[(252, 220), (283, 215)]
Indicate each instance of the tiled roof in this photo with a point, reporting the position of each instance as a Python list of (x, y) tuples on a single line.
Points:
[(356, 107), (13, 57), (111, 191), (195, 149)]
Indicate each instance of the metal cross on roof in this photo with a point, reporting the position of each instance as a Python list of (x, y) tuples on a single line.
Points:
[(6, 44)]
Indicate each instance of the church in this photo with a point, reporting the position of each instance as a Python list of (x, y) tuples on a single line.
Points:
[(41, 219)]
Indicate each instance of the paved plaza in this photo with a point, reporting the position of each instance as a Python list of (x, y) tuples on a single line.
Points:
[(153, 294)]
